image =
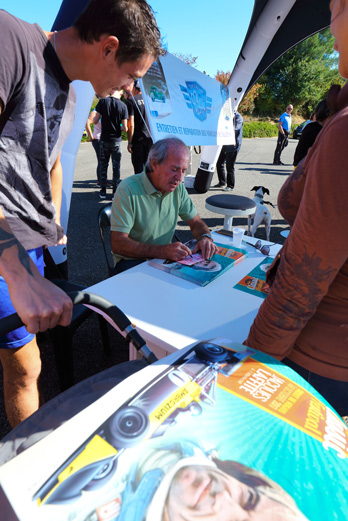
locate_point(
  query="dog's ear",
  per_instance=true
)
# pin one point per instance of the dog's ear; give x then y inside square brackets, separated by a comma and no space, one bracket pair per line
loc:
[255,188]
[265,191]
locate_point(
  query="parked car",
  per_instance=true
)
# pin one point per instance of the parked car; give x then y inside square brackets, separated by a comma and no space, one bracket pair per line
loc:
[299,129]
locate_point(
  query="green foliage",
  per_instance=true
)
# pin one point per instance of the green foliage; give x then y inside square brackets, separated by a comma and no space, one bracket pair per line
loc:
[259,129]
[95,103]
[302,76]
[247,105]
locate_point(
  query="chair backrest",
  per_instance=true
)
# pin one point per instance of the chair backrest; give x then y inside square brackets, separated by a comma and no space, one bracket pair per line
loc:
[104,217]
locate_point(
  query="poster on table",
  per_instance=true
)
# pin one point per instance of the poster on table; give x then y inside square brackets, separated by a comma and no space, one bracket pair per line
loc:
[216,427]
[183,102]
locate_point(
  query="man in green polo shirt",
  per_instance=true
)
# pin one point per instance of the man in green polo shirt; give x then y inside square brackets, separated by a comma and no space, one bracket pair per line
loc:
[146,208]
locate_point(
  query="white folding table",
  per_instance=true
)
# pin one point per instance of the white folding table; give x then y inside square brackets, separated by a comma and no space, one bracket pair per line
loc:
[171,313]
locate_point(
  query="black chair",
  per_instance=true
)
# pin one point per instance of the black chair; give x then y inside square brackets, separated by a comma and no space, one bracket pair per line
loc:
[62,337]
[104,218]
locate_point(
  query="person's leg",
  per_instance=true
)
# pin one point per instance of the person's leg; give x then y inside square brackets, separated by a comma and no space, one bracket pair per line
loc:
[21,370]
[282,145]
[104,155]
[20,358]
[220,167]
[138,157]
[276,159]
[116,164]
[230,162]
[96,146]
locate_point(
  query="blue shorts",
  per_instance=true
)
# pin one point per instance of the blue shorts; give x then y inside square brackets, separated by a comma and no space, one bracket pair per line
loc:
[20,337]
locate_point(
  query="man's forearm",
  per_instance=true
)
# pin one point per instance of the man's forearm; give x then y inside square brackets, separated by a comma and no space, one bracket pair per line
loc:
[89,131]
[13,256]
[130,131]
[198,229]
[124,246]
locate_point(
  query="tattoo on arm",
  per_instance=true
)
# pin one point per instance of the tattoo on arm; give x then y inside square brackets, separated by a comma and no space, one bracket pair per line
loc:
[7,240]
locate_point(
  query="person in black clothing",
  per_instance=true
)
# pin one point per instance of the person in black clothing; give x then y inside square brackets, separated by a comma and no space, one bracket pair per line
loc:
[228,156]
[113,113]
[139,137]
[321,114]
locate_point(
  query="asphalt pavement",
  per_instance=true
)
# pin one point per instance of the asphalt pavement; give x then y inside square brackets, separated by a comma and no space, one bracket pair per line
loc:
[86,261]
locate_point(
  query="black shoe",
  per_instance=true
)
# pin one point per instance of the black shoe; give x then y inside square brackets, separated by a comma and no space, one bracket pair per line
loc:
[108,184]
[102,193]
[280,163]
[219,185]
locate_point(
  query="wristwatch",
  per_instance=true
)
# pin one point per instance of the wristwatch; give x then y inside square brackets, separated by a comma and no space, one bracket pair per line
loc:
[207,235]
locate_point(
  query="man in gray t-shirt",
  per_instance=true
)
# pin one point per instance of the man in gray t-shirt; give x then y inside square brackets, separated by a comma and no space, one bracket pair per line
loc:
[36,113]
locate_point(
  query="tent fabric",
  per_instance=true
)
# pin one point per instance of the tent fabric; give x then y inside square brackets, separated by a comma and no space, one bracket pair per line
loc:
[306,18]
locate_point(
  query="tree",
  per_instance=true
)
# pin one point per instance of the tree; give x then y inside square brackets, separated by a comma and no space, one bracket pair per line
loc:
[248,103]
[302,76]
[223,77]
[187,58]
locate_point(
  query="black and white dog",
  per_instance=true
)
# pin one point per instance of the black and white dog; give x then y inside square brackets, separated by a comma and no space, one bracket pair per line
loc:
[262,214]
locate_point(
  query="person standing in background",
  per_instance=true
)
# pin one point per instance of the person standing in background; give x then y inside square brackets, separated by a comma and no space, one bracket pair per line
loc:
[139,137]
[113,113]
[321,114]
[284,129]
[94,137]
[228,156]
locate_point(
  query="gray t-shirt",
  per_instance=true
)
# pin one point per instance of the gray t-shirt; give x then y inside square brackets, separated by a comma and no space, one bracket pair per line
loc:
[38,112]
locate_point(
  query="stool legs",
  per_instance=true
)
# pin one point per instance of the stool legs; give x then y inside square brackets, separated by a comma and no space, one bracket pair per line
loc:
[228,222]
[249,224]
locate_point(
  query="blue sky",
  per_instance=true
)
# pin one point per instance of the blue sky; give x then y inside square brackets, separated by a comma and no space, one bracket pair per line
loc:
[212,31]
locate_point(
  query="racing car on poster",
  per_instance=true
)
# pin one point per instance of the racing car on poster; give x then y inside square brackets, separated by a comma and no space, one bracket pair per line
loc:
[182,389]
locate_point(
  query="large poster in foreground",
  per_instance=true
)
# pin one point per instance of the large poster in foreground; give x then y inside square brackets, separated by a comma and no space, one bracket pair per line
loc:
[182,102]
[223,432]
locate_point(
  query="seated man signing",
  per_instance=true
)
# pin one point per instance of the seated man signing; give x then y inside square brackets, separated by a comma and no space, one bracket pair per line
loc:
[146,207]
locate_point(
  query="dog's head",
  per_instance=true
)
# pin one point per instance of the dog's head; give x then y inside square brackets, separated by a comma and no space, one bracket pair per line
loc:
[261,190]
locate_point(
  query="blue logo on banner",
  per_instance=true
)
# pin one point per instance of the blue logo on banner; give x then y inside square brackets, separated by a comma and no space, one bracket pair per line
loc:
[196,99]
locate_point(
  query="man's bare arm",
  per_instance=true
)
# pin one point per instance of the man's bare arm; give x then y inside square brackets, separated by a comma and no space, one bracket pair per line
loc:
[130,133]
[121,244]
[92,118]
[56,188]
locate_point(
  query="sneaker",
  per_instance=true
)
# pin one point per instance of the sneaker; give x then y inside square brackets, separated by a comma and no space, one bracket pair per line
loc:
[108,184]
[102,193]
[97,184]
[219,185]
[228,189]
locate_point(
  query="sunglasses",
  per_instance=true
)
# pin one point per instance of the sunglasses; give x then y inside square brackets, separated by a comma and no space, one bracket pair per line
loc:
[265,249]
